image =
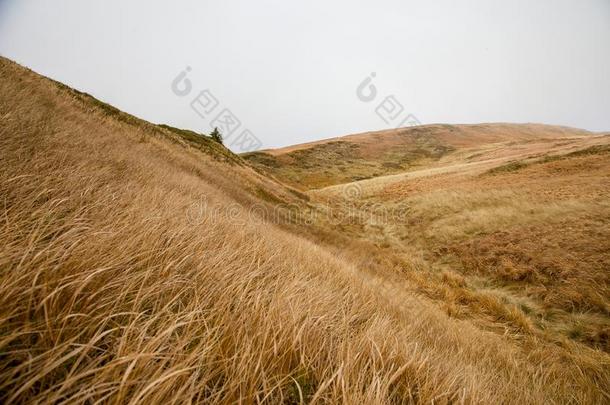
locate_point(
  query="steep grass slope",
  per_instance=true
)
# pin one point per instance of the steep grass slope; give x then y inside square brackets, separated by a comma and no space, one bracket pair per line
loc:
[135,267]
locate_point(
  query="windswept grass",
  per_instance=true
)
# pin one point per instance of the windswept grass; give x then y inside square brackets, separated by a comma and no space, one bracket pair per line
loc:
[132,273]
[524,251]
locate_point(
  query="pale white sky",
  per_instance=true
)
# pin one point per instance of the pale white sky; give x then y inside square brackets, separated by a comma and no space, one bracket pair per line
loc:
[289,70]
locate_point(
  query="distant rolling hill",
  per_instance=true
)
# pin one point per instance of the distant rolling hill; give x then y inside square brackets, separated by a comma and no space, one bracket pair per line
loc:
[373,154]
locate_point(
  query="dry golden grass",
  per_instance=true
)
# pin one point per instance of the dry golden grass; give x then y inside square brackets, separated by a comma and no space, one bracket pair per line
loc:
[116,287]
[528,240]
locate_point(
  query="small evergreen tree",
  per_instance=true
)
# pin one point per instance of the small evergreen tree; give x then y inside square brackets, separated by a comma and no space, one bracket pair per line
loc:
[216,135]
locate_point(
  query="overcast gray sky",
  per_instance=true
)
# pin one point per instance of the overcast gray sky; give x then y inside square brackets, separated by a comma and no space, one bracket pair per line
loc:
[289,70]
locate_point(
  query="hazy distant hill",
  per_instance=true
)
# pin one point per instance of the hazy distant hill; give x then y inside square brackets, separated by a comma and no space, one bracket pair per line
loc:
[373,154]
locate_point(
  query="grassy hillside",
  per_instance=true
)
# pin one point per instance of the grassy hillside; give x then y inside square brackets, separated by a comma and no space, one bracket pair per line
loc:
[521,246]
[141,264]
[373,154]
